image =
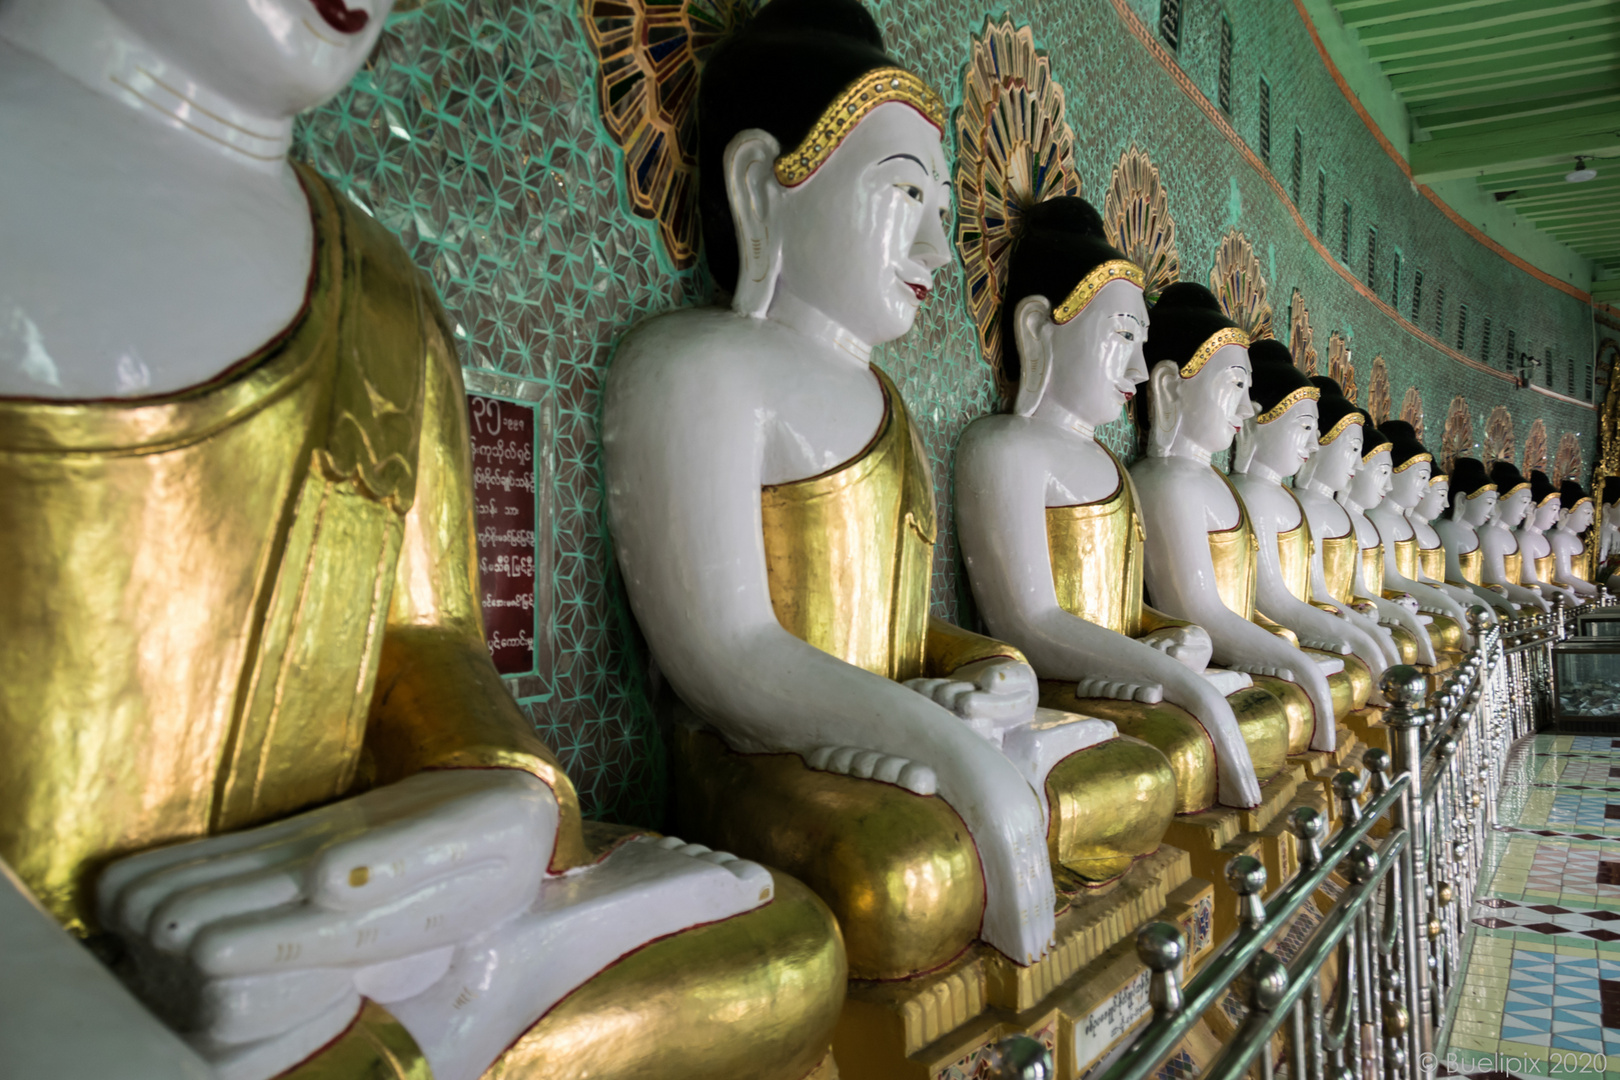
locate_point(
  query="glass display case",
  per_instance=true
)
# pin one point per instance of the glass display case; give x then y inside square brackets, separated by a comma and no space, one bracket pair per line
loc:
[1598,622]
[1586,685]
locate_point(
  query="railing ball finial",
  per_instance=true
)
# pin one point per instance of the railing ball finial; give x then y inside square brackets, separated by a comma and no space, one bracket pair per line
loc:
[1348,786]
[1019,1057]
[1405,686]
[1479,618]
[1377,761]
[1247,876]
[1311,828]
[1161,946]
[1361,864]
[1267,982]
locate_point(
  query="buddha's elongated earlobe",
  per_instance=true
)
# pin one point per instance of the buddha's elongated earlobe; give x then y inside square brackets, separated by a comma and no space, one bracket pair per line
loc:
[1032,326]
[1164,406]
[755,197]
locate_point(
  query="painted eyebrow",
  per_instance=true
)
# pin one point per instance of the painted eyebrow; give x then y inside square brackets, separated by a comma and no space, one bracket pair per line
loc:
[906,157]
[1128,315]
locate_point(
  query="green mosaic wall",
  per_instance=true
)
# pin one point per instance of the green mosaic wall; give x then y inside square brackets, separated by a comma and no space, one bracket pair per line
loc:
[474,134]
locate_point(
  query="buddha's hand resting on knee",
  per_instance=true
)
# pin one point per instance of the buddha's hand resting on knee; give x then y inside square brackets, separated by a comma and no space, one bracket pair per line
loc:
[989,694]
[250,935]
[1119,690]
[1010,834]
[871,765]
[1190,645]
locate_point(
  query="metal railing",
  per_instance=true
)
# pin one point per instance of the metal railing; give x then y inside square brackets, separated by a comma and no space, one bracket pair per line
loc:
[1367,993]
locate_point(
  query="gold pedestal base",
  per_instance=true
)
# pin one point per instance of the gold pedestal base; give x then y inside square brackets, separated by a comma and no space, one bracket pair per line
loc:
[1215,837]
[938,1026]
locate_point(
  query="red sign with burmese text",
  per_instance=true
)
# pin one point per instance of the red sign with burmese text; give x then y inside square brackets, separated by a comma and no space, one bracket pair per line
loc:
[503,496]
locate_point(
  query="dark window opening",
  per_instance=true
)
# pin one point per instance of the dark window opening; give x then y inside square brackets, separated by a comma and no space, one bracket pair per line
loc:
[1223,79]
[1462,326]
[1485,340]
[1395,282]
[1512,349]
[1417,294]
[1265,121]
[1344,235]
[1440,311]
[1298,176]
[1321,204]
[1372,258]
[1170,22]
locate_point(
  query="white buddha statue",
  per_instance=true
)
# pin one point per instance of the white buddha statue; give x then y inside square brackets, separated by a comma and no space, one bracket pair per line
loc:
[244,584]
[773,514]
[1537,563]
[1367,489]
[1047,521]
[1337,553]
[1272,448]
[1200,549]
[1503,562]
[1472,501]
[1443,617]
[1608,538]
[1431,503]
[1570,543]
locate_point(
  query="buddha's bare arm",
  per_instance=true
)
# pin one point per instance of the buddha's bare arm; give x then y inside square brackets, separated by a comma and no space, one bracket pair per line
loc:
[1001,522]
[684,456]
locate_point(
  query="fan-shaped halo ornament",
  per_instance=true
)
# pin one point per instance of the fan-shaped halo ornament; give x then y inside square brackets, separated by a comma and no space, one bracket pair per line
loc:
[1498,435]
[1238,285]
[1535,448]
[1136,217]
[1458,440]
[1340,367]
[649,54]
[1380,398]
[1412,410]
[1301,338]
[1013,150]
[1568,464]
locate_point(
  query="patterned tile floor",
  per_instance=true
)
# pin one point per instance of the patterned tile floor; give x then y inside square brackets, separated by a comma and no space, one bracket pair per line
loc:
[1541,985]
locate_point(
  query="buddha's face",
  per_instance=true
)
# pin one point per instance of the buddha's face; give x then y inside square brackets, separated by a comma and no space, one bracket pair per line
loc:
[1511,510]
[1434,501]
[1337,462]
[1096,357]
[1287,442]
[1207,411]
[276,57]
[1372,481]
[1580,518]
[1611,515]
[1479,507]
[1408,486]
[862,237]
[1547,514]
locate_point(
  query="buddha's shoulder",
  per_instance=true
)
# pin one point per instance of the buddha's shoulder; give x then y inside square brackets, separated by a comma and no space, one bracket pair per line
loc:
[709,346]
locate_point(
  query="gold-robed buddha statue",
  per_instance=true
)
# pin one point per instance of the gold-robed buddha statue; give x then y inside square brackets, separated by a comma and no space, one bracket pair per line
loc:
[241,595]
[1051,534]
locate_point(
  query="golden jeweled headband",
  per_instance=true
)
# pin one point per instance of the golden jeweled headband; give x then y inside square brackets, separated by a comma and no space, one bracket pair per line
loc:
[1304,393]
[1415,459]
[1366,455]
[1439,478]
[849,109]
[1544,498]
[1482,489]
[1583,498]
[1516,487]
[1338,429]
[1090,285]
[1219,340]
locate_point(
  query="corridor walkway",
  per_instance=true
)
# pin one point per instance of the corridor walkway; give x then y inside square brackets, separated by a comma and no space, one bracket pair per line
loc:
[1541,989]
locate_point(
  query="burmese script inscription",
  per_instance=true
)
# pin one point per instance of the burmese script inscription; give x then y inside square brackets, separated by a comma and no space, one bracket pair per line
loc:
[503,439]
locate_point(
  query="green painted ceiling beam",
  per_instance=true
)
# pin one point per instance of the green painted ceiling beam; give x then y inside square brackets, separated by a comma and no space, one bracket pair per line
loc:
[1526,38]
[1501,20]
[1482,153]
[1604,191]
[1597,45]
[1483,119]
[1358,13]
[1439,112]
[1542,177]
[1489,73]
[1606,292]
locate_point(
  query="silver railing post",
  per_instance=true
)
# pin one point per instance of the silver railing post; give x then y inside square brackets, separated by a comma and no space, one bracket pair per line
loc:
[1403,688]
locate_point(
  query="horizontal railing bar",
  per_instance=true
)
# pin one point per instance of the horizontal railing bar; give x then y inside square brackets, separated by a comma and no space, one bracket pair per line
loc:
[1237,952]
[1255,1035]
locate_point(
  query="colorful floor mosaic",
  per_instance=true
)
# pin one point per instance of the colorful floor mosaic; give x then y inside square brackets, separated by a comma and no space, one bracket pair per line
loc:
[1541,987]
